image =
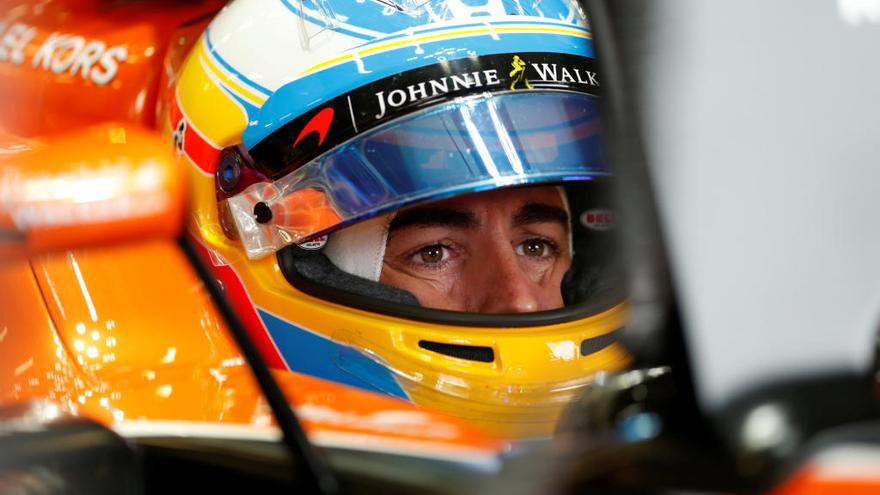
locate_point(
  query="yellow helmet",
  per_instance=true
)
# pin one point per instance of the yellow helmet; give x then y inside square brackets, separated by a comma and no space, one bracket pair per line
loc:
[304,121]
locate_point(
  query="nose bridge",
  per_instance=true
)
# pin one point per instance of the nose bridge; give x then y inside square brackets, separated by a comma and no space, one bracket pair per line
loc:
[510,290]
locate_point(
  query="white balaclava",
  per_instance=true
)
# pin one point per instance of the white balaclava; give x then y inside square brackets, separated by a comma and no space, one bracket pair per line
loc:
[360,249]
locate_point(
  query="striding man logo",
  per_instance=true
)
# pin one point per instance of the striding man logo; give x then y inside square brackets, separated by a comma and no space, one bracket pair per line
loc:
[518,74]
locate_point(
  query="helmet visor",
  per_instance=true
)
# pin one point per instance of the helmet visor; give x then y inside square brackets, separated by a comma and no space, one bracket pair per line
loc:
[463,146]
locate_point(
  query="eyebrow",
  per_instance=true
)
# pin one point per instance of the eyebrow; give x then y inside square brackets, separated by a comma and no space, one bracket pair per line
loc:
[433,217]
[540,213]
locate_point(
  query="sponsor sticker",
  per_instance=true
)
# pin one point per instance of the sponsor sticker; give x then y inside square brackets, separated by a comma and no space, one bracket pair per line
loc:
[598,219]
[90,59]
[314,244]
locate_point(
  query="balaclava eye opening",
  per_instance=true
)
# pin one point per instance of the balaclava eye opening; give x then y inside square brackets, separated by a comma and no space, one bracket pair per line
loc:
[360,249]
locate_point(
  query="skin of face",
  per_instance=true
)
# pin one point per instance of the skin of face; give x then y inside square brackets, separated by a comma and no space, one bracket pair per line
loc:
[502,251]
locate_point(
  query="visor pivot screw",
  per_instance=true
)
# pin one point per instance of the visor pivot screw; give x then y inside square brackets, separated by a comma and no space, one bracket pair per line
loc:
[228,171]
[262,212]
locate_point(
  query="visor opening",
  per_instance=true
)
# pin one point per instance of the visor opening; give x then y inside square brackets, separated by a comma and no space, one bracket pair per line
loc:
[596,344]
[467,352]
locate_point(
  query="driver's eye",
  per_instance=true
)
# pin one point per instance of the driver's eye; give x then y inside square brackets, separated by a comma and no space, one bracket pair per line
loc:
[534,248]
[432,254]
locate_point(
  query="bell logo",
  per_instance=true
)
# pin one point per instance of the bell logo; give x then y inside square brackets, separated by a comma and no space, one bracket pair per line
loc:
[314,244]
[598,219]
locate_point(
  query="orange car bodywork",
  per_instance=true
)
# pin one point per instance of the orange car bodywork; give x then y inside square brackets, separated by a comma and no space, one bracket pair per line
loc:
[52,196]
[125,333]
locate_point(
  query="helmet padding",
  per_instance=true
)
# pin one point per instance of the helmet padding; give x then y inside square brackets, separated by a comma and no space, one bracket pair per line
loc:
[360,249]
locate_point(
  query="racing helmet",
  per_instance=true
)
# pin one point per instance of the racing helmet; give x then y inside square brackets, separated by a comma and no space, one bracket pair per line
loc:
[305,121]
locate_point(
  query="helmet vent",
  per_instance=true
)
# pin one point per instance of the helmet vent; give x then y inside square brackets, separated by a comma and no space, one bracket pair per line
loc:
[596,344]
[468,352]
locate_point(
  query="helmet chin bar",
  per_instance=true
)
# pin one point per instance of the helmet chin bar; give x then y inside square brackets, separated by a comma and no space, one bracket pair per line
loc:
[444,362]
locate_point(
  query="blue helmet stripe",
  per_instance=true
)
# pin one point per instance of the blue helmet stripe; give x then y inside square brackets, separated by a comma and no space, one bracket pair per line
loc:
[368,19]
[495,23]
[311,354]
